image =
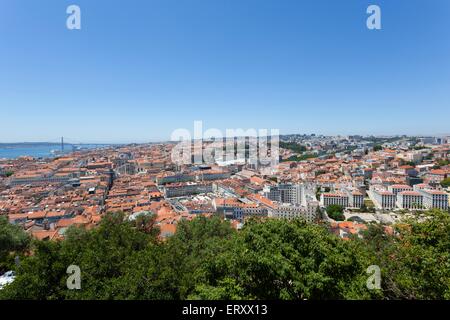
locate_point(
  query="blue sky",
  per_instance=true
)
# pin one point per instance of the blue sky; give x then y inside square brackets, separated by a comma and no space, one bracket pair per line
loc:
[139,69]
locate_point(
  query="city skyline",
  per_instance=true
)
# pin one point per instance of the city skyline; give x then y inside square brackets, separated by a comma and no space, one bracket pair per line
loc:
[138,72]
[223,152]
[57,140]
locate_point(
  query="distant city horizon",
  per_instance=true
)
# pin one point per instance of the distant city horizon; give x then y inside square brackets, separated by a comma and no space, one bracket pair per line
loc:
[155,140]
[224,151]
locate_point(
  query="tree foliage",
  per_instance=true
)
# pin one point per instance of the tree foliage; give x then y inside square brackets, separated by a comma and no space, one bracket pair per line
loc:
[335,212]
[207,259]
[445,183]
[377,147]
[298,148]
[13,240]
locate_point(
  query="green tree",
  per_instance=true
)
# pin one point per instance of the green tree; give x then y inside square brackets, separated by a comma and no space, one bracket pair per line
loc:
[8,174]
[293,146]
[417,262]
[267,259]
[335,212]
[103,255]
[278,259]
[13,241]
[377,147]
[445,183]
[195,244]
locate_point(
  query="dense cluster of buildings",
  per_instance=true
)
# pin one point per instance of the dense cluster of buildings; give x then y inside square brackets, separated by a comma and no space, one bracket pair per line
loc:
[46,196]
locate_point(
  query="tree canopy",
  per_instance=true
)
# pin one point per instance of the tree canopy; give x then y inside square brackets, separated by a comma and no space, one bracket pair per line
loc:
[445,183]
[207,259]
[13,240]
[336,212]
[377,147]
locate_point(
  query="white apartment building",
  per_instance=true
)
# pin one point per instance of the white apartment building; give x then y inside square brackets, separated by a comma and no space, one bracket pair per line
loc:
[286,193]
[288,211]
[239,210]
[413,156]
[254,211]
[383,199]
[327,199]
[186,189]
[212,175]
[397,188]
[175,178]
[356,200]
[355,197]
[410,200]
[421,186]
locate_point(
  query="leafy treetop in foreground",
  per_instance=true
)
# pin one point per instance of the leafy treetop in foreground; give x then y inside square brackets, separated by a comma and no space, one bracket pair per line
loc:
[207,259]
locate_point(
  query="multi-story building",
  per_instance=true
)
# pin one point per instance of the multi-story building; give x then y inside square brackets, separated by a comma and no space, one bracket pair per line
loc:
[355,197]
[40,179]
[383,199]
[288,211]
[233,213]
[409,200]
[327,199]
[212,175]
[286,193]
[434,199]
[291,194]
[397,188]
[254,211]
[150,166]
[175,178]
[421,186]
[273,193]
[186,189]
[236,209]
[434,177]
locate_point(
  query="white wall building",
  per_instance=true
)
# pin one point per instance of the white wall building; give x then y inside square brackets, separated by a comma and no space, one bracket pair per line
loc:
[327,199]
[288,211]
[383,199]
[287,193]
[409,200]
[434,199]
[397,188]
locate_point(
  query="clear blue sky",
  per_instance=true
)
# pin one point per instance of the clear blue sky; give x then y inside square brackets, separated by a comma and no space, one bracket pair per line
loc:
[140,69]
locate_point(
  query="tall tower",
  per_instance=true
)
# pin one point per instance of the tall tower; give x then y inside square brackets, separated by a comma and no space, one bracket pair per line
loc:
[62,144]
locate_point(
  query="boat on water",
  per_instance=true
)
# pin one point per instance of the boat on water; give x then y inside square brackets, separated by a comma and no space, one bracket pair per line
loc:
[56,152]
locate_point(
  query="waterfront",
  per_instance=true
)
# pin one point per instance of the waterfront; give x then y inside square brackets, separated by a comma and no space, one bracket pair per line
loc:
[38,150]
